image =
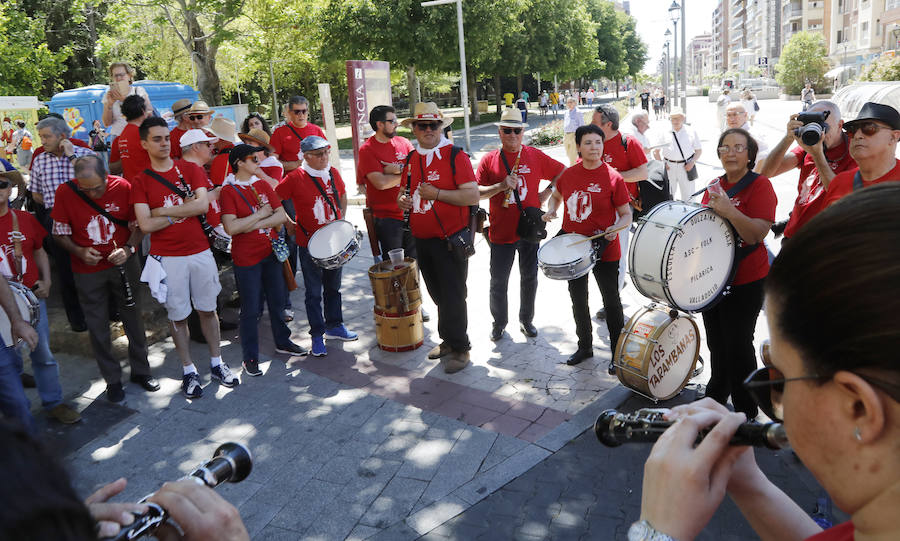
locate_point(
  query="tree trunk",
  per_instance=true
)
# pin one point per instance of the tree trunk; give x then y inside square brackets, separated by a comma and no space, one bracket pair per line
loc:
[518,85]
[499,93]
[412,83]
[617,89]
[473,96]
[203,57]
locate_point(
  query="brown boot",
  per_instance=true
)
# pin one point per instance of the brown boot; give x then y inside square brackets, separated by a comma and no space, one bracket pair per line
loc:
[439,351]
[456,362]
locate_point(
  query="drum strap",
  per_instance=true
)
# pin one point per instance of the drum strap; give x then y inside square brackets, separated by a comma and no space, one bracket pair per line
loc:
[17,238]
[249,204]
[746,180]
[322,191]
[857,181]
[509,171]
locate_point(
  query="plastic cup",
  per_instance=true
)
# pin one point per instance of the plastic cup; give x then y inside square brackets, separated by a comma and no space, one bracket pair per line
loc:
[396,256]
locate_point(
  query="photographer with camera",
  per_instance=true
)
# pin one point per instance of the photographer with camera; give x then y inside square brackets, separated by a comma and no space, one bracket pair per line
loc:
[822,152]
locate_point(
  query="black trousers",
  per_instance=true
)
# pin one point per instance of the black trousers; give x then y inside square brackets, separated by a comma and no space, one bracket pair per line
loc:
[445,276]
[730,326]
[392,233]
[502,256]
[60,256]
[607,275]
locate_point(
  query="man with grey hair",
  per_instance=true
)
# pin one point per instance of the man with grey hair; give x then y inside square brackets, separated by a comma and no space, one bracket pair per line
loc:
[736,116]
[50,169]
[286,139]
[818,164]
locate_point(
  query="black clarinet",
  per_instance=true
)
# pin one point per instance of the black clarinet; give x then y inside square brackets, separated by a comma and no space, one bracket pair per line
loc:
[646,425]
[126,287]
[406,213]
[231,463]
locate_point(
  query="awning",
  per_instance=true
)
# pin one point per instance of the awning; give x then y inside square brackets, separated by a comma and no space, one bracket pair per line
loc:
[836,72]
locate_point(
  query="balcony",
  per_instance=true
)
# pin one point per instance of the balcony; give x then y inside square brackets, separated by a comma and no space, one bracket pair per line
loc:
[815,4]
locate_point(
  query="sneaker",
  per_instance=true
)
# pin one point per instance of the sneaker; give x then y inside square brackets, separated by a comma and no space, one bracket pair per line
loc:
[287,315]
[318,347]
[340,333]
[601,313]
[190,385]
[224,375]
[148,383]
[27,380]
[292,349]
[251,367]
[64,414]
[115,393]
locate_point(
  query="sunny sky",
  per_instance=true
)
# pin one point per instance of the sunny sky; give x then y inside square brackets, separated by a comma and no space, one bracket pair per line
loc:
[653,19]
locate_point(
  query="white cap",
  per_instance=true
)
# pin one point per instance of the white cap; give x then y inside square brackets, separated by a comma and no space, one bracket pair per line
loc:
[195,136]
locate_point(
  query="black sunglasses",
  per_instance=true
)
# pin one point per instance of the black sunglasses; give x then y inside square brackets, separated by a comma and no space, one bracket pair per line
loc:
[299,111]
[766,387]
[428,126]
[868,128]
[196,117]
[508,131]
[4,184]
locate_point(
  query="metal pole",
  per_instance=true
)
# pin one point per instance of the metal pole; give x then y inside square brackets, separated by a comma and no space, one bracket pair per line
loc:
[462,67]
[683,60]
[274,94]
[674,68]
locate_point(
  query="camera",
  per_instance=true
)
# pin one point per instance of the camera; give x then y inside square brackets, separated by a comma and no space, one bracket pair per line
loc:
[813,128]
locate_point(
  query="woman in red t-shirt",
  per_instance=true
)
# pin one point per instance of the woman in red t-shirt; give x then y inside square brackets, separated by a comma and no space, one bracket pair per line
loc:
[834,380]
[252,214]
[731,322]
[596,199]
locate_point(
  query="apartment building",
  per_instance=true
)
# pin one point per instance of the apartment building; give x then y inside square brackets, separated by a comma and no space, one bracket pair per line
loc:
[699,53]
[720,41]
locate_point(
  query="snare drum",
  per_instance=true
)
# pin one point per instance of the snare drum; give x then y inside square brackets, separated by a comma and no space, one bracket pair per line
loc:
[566,257]
[683,255]
[656,354]
[29,310]
[334,244]
[221,239]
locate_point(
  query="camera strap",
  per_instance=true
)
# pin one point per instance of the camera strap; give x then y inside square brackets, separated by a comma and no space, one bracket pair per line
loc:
[857,181]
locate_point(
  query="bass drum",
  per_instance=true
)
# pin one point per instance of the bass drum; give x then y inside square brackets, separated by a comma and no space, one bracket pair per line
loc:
[29,310]
[682,255]
[399,332]
[656,352]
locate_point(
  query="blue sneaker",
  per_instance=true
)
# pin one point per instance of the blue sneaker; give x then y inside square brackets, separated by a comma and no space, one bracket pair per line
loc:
[340,333]
[318,347]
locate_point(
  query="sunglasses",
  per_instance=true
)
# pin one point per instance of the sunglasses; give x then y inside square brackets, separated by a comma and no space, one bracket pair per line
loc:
[4,184]
[425,126]
[868,128]
[254,158]
[391,121]
[300,111]
[725,149]
[196,117]
[766,387]
[508,131]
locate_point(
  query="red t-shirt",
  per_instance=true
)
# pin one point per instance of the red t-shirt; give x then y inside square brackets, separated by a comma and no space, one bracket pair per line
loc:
[842,184]
[89,227]
[34,236]
[184,236]
[175,139]
[127,148]
[373,155]
[220,167]
[533,167]
[757,200]
[591,197]
[272,167]
[840,532]
[620,159]
[439,174]
[810,192]
[248,249]
[312,210]
[287,145]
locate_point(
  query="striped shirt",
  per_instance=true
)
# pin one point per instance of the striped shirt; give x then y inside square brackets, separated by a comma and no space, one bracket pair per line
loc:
[49,171]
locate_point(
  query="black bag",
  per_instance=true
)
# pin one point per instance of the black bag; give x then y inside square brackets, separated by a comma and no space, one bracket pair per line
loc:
[531,227]
[655,189]
[460,243]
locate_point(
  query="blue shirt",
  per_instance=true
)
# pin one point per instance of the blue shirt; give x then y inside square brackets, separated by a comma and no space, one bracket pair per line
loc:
[574,118]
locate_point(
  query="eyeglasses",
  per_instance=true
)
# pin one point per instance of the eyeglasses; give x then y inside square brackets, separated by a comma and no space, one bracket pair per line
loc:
[300,111]
[4,184]
[868,128]
[391,121]
[725,149]
[254,158]
[508,131]
[735,113]
[424,126]
[766,387]
[196,117]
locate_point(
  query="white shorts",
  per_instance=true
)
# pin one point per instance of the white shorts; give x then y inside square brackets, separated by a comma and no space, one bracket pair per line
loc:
[191,279]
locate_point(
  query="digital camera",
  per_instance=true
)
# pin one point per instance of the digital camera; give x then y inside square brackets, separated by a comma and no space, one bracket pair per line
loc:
[814,127]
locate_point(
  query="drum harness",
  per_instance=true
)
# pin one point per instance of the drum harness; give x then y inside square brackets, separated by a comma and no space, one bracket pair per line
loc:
[17,237]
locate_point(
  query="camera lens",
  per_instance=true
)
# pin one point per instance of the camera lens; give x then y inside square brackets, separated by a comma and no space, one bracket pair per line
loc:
[810,134]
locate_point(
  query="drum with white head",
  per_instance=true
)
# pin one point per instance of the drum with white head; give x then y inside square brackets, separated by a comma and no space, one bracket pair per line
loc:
[28,307]
[566,257]
[334,244]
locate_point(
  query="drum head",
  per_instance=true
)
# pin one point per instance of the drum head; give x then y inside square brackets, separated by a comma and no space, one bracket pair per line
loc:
[700,261]
[331,239]
[560,250]
[672,362]
[28,307]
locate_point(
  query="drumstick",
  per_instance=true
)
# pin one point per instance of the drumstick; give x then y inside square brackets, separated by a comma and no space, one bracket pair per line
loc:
[598,235]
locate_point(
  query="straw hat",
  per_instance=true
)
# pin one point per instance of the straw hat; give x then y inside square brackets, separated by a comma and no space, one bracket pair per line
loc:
[426,112]
[512,118]
[676,111]
[199,107]
[257,137]
[222,128]
[13,175]
[180,107]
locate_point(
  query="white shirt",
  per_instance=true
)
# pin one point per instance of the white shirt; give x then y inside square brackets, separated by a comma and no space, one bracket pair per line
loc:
[763,146]
[119,122]
[688,140]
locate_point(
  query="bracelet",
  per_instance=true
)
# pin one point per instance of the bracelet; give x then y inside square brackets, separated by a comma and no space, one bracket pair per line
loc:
[438,196]
[170,220]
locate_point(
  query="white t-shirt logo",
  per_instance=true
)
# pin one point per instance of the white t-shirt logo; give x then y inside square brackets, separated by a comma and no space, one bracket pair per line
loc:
[421,206]
[579,207]
[100,230]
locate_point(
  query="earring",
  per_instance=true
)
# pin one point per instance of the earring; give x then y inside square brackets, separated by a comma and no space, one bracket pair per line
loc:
[857,433]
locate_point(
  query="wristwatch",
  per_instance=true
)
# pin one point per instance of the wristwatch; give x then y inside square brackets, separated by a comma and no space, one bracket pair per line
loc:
[644,531]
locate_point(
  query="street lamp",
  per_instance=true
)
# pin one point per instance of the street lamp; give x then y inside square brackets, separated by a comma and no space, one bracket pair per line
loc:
[463,84]
[668,36]
[674,16]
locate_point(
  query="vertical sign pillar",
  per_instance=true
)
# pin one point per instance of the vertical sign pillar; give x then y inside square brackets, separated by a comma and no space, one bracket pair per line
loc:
[368,85]
[327,109]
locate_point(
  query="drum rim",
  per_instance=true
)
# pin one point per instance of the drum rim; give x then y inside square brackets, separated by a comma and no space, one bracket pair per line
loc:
[553,239]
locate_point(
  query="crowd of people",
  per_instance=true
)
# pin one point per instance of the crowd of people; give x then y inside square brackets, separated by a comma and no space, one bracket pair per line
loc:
[167,205]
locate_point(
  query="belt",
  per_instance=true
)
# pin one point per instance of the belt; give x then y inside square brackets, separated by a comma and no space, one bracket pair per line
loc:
[675,161]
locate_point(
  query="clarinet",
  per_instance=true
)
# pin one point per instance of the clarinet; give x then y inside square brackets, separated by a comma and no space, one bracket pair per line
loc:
[231,463]
[126,287]
[646,425]
[406,213]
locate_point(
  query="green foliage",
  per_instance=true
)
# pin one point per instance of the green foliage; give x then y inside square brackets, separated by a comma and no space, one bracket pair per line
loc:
[803,59]
[27,65]
[549,134]
[885,68]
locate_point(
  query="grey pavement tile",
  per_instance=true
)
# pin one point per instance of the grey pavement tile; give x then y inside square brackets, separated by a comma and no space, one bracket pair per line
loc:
[503,448]
[279,487]
[306,505]
[461,464]
[331,526]
[487,482]
[396,447]
[394,503]
[339,470]
[439,512]
[239,493]
[362,532]
[371,476]
[533,528]
[397,532]
[256,515]
[273,533]
[422,461]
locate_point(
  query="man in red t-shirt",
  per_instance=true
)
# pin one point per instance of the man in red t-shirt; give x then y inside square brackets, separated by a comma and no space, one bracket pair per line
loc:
[521,168]
[128,157]
[441,193]
[625,154]
[179,251]
[319,197]
[873,144]
[818,164]
[595,200]
[180,111]
[101,246]
[286,139]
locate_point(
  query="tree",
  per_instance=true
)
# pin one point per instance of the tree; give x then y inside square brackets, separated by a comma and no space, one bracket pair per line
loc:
[27,64]
[635,48]
[803,59]
[885,68]
[610,59]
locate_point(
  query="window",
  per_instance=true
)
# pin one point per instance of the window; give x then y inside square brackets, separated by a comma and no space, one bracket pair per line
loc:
[840,35]
[891,4]
[864,30]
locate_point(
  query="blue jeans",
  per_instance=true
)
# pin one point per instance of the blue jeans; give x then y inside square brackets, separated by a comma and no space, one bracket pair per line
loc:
[13,402]
[251,282]
[319,283]
[46,371]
